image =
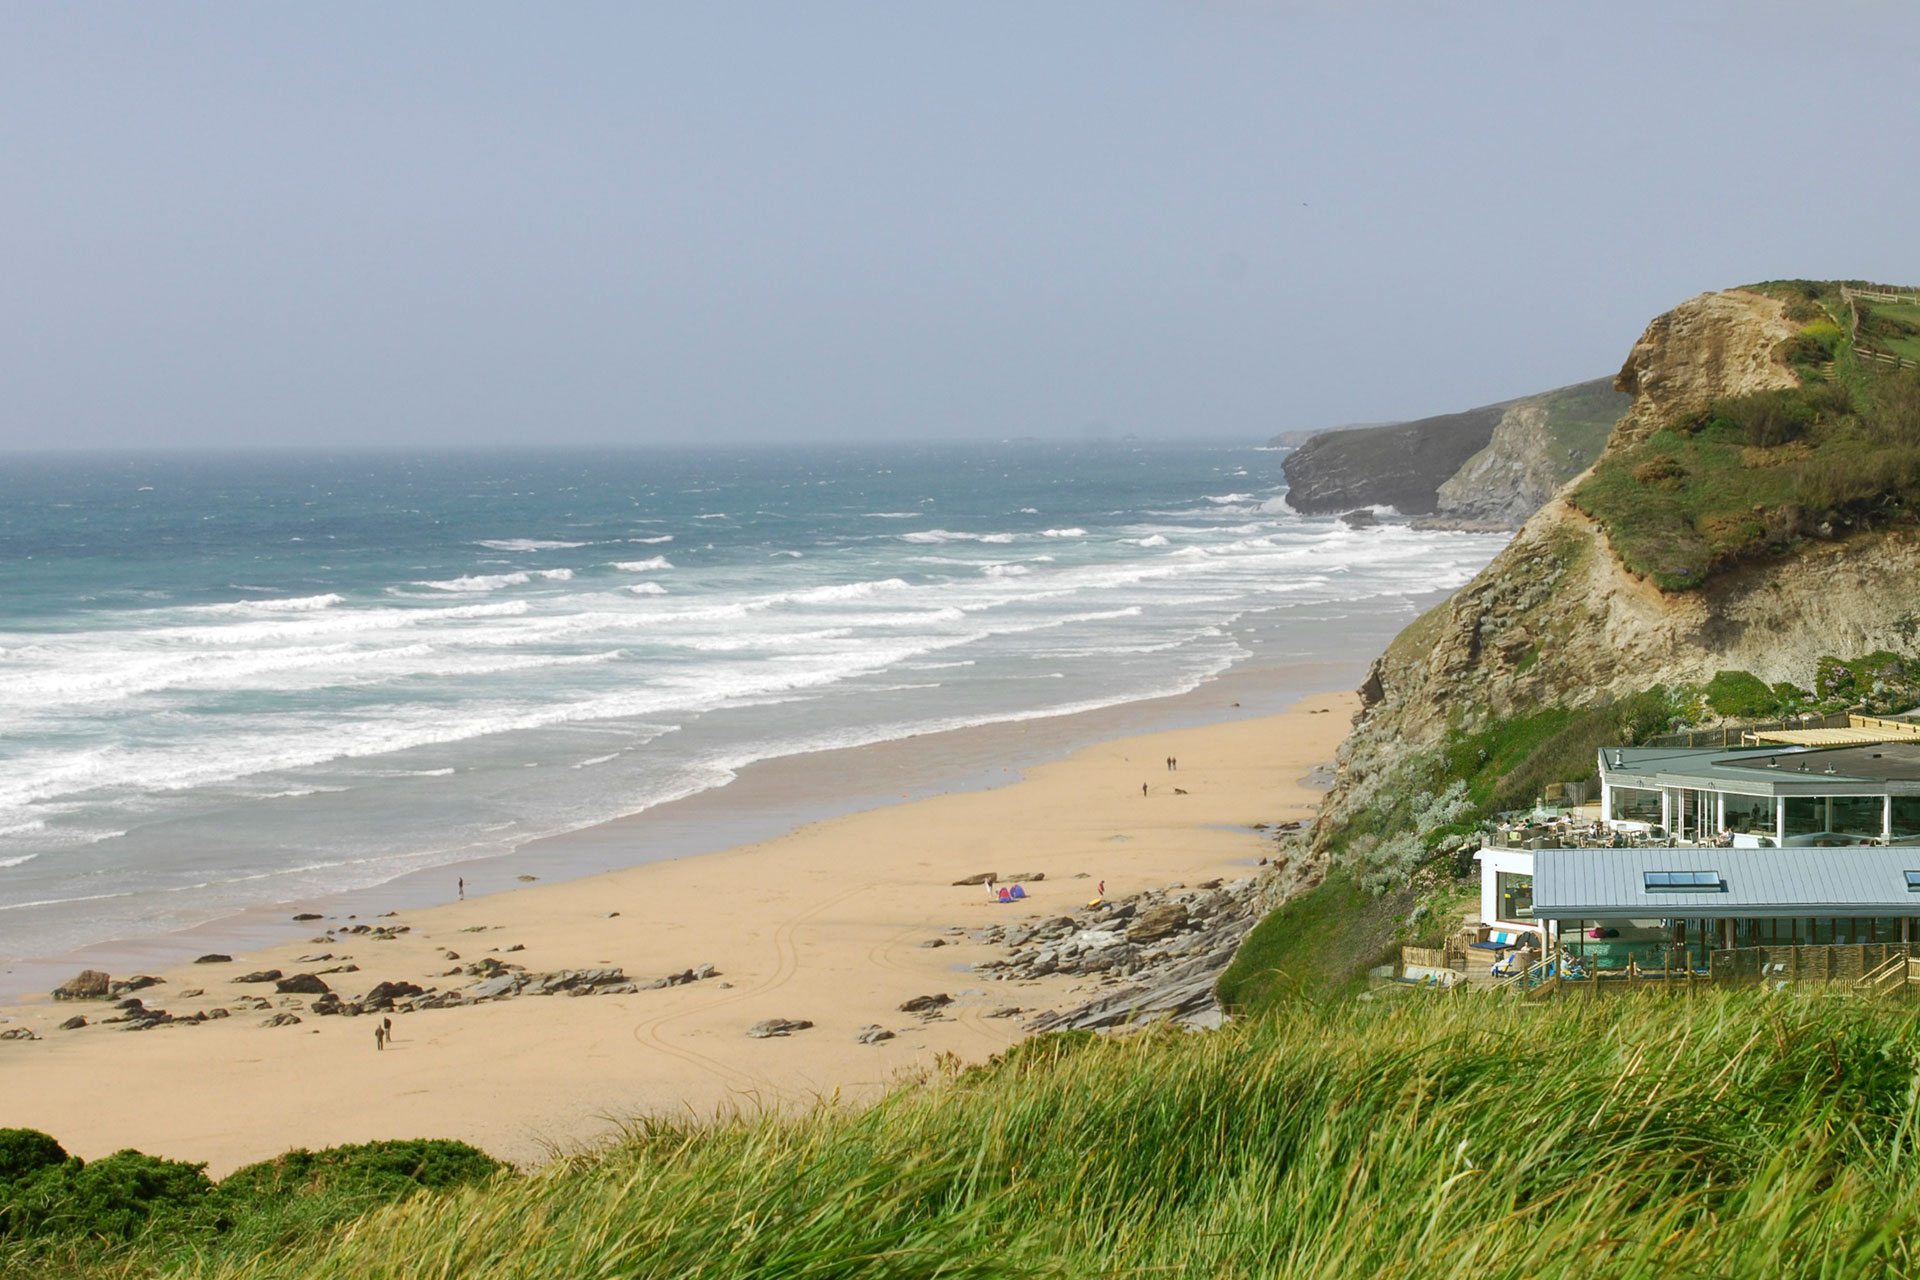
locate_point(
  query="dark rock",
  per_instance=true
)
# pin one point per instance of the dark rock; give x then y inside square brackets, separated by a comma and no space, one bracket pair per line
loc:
[192,993]
[216,1013]
[282,1020]
[777,1027]
[74,1023]
[981,878]
[18,1033]
[261,975]
[327,1004]
[131,1004]
[1158,922]
[302,984]
[214,957]
[139,982]
[308,915]
[934,942]
[926,1004]
[385,994]
[88,984]
[1007,1011]
[1032,877]
[873,1035]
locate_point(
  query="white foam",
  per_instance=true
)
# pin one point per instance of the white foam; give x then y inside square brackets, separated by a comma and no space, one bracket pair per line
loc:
[243,608]
[525,544]
[1005,570]
[1063,533]
[713,515]
[951,535]
[475,582]
[643,566]
[1151,540]
[655,541]
[14,862]
[1225,498]
[893,515]
[647,589]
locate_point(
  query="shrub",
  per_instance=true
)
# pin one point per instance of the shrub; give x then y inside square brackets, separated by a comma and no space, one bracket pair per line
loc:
[115,1198]
[27,1151]
[381,1170]
[1741,694]
[1662,469]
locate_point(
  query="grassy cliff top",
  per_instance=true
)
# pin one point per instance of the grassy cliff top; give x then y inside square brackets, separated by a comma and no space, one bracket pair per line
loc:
[1439,1137]
[1759,475]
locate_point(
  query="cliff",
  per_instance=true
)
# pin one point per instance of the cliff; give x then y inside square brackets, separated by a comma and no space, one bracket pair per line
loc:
[1489,467]
[1558,620]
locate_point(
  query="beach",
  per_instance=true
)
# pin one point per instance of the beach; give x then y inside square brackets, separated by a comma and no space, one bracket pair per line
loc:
[830,923]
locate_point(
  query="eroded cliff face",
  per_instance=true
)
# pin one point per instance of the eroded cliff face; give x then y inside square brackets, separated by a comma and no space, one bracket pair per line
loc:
[1555,619]
[1718,344]
[1538,444]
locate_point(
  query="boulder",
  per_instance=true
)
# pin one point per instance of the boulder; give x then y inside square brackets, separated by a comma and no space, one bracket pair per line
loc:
[873,1035]
[193,993]
[217,1013]
[308,915]
[777,1027]
[260,975]
[926,1004]
[302,984]
[214,957]
[980,878]
[495,988]
[18,1033]
[88,984]
[384,994]
[139,982]
[329,1003]
[282,1020]
[74,1023]
[1030,876]
[1158,922]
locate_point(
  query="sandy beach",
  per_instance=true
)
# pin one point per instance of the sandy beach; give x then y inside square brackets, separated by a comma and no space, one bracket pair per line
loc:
[827,923]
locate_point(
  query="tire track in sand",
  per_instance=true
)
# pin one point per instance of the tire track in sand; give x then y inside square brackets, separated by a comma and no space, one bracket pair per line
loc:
[651,1031]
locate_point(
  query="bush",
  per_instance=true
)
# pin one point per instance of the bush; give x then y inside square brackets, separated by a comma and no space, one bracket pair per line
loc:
[379,1170]
[115,1198]
[1741,694]
[27,1151]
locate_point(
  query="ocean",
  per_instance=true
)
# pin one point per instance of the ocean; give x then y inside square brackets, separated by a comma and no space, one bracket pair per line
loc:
[227,681]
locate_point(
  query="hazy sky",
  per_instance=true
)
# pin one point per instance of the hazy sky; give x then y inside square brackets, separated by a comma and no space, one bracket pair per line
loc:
[424,224]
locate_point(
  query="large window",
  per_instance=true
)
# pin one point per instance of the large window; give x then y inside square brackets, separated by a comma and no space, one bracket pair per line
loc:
[1635,804]
[1857,815]
[1516,895]
[1906,815]
[1753,814]
[1806,815]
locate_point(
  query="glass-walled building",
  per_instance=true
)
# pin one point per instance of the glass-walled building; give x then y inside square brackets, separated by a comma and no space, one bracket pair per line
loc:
[1765,797]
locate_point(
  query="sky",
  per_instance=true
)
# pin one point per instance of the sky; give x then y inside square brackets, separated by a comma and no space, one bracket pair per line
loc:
[434,224]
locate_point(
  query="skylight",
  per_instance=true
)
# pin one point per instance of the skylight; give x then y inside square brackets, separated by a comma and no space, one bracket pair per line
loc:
[1697,881]
[1913,882]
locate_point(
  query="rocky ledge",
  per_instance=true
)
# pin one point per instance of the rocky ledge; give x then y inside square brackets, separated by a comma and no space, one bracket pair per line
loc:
[1159,952]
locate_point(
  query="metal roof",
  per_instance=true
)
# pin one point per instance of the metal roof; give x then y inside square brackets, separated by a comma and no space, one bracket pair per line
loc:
[1610,884]
[1864,770]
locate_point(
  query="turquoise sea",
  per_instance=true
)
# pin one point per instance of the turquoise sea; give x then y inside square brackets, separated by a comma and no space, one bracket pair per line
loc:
[235,680]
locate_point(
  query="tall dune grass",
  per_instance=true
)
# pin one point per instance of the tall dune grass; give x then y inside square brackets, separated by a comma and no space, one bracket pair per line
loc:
[1444,1137]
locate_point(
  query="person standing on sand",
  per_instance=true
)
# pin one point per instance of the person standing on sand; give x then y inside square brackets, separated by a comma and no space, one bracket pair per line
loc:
[1143,789]
[1173,763]
[386,1025]
[463,888]
[380,1038]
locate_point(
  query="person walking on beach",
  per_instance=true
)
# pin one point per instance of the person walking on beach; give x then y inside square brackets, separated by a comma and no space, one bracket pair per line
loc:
[463,888]
[386,1025]
[380,1038]
[1143,789]
[1173,763]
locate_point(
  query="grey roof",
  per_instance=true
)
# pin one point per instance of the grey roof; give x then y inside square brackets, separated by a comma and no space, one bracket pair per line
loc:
[1609,884]
[1870,770]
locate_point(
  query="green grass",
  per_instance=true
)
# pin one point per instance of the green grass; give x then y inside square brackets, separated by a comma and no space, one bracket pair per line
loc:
[1316,943]
[1892,327]
[1444,1137]
[1579,420]
[1757,476]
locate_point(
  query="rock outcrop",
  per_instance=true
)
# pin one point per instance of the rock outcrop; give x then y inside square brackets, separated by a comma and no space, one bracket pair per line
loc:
[1486,468]
[1556,619]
